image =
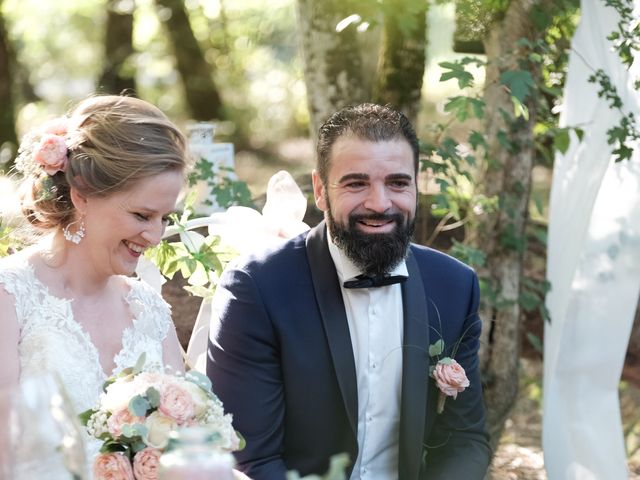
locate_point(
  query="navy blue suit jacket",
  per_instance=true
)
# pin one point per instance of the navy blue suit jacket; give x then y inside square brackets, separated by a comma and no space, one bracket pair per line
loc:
[280,359]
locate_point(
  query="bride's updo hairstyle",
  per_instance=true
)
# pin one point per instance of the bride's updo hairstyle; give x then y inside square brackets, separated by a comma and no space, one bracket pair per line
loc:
[106,145]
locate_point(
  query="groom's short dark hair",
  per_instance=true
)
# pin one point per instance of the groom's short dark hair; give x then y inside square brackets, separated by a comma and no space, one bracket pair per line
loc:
[367,121]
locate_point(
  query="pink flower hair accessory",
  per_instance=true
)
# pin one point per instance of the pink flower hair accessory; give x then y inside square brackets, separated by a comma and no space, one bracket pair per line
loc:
[45,149]
[51,154]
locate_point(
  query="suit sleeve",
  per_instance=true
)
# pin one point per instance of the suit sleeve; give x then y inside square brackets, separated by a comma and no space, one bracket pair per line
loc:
[244,367]
[458,445]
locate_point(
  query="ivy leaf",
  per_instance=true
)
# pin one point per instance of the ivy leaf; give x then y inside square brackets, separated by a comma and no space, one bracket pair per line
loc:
[535,342]
[538,202]
[529,301]
[561,140]
[476,139]
[465,107]
[468,254]
[458,72]
[519,83]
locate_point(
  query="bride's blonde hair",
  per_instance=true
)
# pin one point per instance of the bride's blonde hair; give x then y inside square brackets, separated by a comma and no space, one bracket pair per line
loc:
[112,143]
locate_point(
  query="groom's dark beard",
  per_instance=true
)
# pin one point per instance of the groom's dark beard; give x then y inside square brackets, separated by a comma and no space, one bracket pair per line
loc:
[373,253]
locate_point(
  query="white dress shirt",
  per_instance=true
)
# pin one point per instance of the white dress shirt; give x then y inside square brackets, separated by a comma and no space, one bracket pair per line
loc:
[375,317]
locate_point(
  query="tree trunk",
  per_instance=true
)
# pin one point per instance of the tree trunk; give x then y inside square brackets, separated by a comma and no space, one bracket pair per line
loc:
[118,74]
[332,59]
[402,59]
[8,138]
[501,234]
[201,92]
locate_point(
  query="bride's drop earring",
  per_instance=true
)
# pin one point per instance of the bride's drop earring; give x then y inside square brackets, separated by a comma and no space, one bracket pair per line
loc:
[79,233]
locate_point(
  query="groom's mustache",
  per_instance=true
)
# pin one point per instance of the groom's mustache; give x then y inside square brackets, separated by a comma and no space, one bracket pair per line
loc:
[375,217]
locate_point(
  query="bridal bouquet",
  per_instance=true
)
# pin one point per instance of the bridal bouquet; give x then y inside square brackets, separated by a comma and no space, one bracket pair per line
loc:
[137,412]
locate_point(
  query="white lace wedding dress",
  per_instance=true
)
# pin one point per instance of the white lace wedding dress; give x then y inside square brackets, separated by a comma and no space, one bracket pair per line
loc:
[52,340]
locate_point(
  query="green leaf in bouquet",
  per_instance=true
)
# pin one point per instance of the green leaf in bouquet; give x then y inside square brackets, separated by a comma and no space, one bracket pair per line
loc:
[138,406]
[138,446]
[85,416]
[134,430]
[153,396]
[242,442]
[111,445]
[129,371]
[199,379]
[140,363]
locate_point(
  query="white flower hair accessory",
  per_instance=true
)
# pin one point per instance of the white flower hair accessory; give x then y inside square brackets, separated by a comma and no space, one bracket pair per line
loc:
[44,149]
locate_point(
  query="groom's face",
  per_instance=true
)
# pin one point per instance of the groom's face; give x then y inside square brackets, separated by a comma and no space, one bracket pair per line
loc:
[369,199]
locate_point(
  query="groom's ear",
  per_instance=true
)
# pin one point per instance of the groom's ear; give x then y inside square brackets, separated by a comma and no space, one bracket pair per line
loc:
[319,192]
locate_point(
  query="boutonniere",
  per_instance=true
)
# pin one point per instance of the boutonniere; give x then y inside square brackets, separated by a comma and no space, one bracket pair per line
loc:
[449,375]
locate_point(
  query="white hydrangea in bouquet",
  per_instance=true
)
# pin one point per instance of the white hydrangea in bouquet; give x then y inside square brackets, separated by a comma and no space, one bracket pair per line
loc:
[137,412]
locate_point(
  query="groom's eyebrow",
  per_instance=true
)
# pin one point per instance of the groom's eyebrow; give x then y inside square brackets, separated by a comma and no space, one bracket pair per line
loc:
[352,176]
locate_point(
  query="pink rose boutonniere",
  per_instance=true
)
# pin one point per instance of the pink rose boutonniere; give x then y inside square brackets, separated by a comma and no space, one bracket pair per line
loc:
[449,375]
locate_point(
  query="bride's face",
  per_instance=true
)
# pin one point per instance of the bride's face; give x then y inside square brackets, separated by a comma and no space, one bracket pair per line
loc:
[121,226]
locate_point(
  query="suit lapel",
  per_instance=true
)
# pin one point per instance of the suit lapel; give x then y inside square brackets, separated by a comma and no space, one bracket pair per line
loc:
[415,371]
[334,318]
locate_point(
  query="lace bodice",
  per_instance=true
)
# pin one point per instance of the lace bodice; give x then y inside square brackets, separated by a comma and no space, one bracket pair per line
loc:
[52,340]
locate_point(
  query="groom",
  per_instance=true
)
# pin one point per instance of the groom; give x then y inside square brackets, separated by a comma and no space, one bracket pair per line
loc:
[321,346]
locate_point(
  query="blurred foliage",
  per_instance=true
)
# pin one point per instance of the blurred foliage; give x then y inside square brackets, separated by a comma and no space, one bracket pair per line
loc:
[200,259]
[255,58]
[453,159]
[8,243]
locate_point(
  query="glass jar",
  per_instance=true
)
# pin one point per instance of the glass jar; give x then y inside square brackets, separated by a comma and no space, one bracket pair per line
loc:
[192,454]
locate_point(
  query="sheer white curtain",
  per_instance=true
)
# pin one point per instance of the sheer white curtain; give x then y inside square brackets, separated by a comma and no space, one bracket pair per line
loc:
[593,265]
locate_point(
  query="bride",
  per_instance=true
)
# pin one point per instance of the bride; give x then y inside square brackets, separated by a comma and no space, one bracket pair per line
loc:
[100,184]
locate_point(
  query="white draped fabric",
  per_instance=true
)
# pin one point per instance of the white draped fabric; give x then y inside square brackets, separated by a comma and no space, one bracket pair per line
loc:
[593,265]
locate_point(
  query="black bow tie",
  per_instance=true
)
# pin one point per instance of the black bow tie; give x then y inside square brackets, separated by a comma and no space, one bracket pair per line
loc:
[369,281]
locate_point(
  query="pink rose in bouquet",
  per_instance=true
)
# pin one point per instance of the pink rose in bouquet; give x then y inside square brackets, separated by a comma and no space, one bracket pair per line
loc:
[137,412]
[112,466]
[176,403]
[145,464]
[120,418]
